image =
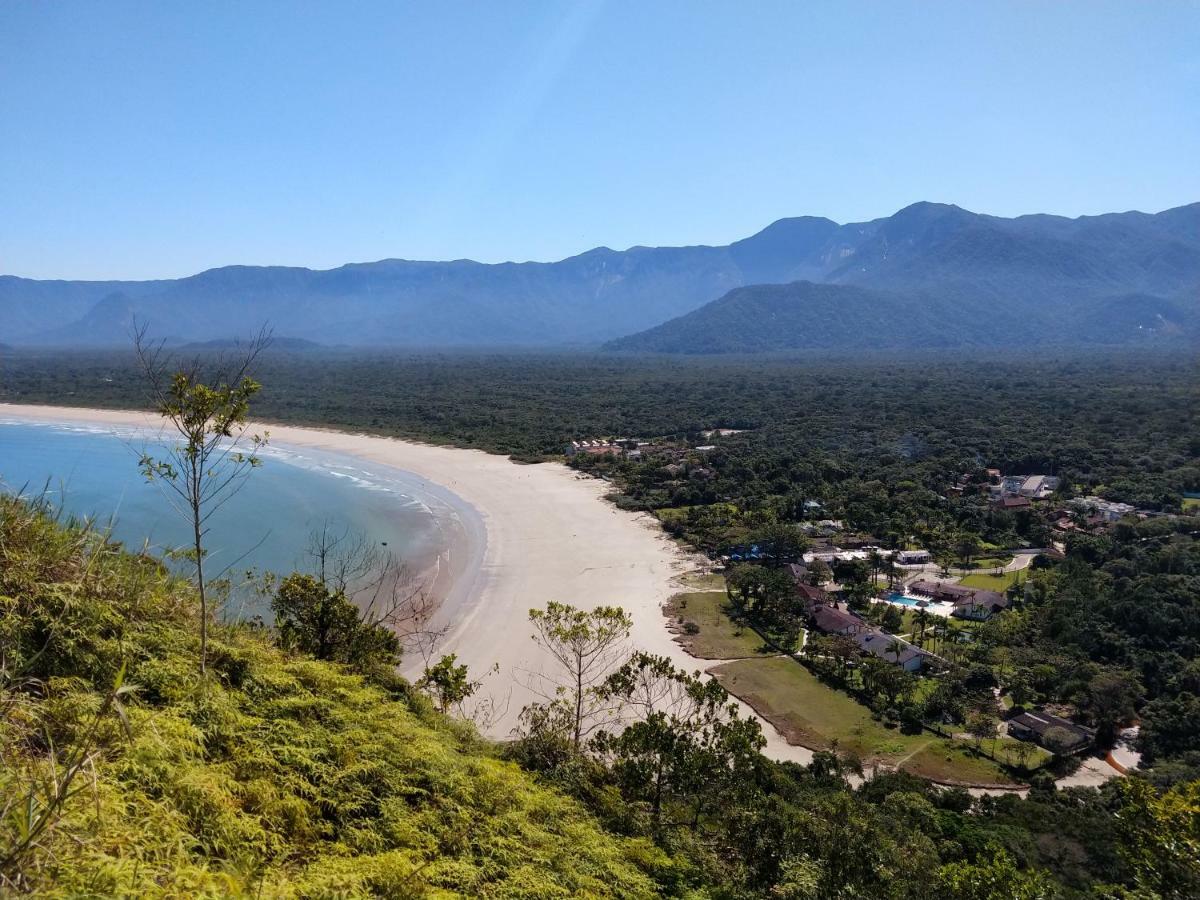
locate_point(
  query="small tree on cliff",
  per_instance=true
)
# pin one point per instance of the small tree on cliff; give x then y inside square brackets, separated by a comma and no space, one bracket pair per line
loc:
[587,647]
[207,405]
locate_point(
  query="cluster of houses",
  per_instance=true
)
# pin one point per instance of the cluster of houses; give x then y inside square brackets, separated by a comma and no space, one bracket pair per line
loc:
[1092,514]
[616,447]
[976,604]
[631,448]
[825,616]
[1012,492]
[1008,491]
[830,554]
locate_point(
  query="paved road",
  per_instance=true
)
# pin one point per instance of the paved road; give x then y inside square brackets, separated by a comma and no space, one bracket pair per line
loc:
[1021,560]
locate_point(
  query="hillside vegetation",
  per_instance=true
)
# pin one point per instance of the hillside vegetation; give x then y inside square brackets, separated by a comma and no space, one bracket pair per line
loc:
[278,777]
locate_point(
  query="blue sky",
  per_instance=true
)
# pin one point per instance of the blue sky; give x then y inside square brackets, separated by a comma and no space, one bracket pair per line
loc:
[158,139]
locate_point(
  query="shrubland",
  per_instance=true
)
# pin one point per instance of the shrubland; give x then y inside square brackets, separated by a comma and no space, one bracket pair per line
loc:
[127,773]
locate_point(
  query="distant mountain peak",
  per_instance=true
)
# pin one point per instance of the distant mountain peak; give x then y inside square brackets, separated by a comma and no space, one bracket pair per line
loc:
[1050,273]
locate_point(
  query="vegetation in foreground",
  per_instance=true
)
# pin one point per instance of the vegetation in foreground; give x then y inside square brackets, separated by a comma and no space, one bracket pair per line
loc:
[276,776]
[126,772]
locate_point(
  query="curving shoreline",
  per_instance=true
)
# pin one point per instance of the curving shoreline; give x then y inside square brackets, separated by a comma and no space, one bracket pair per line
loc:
[521,535]
[530,534]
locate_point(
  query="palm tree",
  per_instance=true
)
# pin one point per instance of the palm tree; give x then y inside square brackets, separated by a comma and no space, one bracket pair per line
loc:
[940,630]
[895,647]
[875,561]
[921,620]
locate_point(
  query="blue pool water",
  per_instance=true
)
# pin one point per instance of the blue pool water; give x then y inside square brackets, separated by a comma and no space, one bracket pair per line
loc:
[904,599]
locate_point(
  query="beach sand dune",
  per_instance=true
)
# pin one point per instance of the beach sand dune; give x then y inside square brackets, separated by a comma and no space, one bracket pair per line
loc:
[537,533]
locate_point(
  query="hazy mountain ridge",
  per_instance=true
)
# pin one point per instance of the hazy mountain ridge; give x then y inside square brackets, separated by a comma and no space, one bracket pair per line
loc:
[940,259]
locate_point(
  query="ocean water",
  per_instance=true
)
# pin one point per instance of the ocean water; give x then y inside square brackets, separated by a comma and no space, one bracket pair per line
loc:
[92,472]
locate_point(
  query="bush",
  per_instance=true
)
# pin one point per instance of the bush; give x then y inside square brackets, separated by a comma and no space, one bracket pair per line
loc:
[276,776]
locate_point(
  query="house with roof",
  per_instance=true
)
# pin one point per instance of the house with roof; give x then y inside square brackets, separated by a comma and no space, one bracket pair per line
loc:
[798,571]
[1031,487]
[892,649]
[831,620]
[980,606]
[1034,725]
[812,597]
[1102,510]
[1012,502]
[977,604]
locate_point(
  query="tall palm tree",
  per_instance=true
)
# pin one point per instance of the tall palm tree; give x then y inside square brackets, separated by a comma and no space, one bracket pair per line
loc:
[921,620]
[940,630]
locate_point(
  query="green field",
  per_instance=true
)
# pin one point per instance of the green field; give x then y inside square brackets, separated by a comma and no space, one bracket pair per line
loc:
[719,636]
[1191,504]
[990,562]
[1000,582]
[814,715]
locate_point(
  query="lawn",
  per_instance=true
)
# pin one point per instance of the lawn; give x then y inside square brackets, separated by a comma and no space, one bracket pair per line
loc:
[990,562]
[943,760]
[719,636]
[1191,505]
[1007,750]
[1000,582]
[814,715]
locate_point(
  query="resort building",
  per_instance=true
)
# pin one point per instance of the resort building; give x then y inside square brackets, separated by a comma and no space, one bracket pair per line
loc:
[811,597]
[977,604]
[1031,487]
[1011,502]
[1034,725]
[981,606]
[832,620]
[1104,510]
[892,649]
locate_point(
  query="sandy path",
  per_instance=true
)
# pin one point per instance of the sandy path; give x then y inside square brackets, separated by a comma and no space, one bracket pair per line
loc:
[545,535]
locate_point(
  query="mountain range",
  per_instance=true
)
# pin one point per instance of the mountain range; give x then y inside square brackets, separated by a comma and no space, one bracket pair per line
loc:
[929,275]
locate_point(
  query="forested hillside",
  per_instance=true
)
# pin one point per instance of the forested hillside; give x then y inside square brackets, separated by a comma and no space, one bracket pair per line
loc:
[947,277]
[807,316]
[124,773]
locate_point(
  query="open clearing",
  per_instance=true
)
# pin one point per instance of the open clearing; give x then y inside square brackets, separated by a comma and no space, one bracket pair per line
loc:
[1000,582]
[810,713]
[719,637]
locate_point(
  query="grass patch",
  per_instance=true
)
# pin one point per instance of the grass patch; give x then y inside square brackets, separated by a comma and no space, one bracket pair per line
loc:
[717,635]
[815,715]
[990,562]
[1001,582]
[703,581]
[1007,750]
[944,760]
[1191,504]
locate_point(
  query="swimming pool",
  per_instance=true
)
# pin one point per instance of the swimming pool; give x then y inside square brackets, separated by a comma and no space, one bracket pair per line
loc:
[930,606]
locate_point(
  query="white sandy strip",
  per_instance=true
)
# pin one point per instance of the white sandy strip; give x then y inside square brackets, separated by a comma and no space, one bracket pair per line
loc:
[548,535]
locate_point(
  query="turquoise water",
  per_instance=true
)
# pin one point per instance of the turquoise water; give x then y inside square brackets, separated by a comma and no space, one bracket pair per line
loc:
[92,472]
[904,599]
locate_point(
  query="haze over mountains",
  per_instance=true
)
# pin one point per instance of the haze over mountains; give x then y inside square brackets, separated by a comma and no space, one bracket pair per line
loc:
[930,275]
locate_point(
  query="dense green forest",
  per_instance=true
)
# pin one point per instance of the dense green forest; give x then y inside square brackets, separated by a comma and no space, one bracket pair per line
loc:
[1100,414]
[125,772]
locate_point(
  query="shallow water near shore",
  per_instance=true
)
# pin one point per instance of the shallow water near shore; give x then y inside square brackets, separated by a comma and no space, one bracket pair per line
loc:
[91,471]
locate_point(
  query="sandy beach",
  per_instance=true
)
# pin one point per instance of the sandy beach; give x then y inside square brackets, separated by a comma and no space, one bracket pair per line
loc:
[546,534]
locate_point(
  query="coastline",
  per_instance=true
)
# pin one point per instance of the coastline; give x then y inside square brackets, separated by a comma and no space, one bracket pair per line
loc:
[532,534]
[521,536]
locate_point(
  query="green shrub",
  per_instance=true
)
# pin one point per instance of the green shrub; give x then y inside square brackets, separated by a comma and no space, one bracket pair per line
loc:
[276,776]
